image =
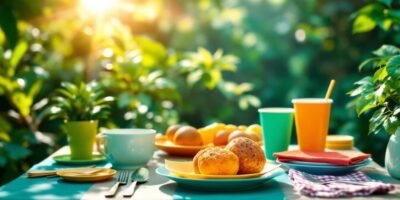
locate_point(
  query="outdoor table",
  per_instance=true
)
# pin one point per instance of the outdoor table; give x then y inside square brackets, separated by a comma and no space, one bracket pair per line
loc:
[158,187]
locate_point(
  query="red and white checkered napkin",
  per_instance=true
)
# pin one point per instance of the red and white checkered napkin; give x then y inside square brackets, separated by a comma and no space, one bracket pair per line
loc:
[307,187]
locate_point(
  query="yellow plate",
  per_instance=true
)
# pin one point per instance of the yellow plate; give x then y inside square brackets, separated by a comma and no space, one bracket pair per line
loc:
[339,139]
[178,150]
[340,147]
[73,175]
[185,169]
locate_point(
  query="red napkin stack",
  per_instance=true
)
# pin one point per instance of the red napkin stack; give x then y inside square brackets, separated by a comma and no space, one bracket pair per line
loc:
[345,158]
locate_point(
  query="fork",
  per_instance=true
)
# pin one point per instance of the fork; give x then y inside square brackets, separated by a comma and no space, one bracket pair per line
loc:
[122,179]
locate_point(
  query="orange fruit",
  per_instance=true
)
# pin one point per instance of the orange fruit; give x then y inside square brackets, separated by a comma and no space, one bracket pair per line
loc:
[159,137]
[208,133]
[230,128]
[237,133]
[254,136]
[188,136]
[217,127]
[242,128]
[255,129]
[171,131]
[221,138]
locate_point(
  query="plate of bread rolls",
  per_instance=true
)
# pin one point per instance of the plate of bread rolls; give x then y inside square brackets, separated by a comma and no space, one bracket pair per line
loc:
[184,140]
[241,164]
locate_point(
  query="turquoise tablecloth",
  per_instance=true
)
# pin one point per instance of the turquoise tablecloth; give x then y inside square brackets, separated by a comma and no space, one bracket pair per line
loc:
[157,188]
[44,188]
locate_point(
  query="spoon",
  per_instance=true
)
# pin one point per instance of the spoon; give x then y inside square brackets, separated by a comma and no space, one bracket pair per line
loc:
[141,176]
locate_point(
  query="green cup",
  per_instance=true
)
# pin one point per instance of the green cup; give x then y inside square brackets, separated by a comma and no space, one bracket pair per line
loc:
[277,126]
[81,138]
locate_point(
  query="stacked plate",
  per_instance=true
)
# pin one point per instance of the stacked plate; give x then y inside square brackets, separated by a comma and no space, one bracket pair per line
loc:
[319,168]
[183,173]
[339,142]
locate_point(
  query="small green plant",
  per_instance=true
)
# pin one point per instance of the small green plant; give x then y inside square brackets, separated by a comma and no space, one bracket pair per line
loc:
[381,91]
[80,102]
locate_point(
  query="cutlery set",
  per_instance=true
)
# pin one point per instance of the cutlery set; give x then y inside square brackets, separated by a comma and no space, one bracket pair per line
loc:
[124,177]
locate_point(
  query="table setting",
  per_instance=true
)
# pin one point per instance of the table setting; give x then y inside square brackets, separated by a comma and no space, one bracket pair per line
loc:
[219,160]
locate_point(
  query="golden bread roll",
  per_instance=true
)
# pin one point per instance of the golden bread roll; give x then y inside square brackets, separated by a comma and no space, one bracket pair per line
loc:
[171,132]
[188,136]
[196,161]
[221,138]
[216,161]
[251,156]
[237,133]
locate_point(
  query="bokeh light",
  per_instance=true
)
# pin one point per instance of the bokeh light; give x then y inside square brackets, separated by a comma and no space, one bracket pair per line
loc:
[98,6]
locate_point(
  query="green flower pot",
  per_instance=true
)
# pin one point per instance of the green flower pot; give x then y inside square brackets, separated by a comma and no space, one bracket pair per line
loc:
[81,137]
[392,157]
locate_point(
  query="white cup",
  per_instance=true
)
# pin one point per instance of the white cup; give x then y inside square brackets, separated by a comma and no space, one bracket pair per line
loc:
[127,148]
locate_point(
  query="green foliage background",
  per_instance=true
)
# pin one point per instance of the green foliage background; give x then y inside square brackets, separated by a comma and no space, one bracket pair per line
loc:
[184,61]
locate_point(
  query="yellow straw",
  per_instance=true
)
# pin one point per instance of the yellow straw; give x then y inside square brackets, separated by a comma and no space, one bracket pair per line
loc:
[331,85]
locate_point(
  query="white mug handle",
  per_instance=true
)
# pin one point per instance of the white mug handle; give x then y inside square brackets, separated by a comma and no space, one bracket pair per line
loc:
[101,137]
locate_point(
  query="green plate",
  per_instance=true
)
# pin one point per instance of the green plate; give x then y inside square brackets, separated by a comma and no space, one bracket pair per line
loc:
[66,160]
[219,184]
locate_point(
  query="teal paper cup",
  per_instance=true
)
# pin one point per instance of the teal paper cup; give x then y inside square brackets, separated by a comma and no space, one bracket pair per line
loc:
[277,126]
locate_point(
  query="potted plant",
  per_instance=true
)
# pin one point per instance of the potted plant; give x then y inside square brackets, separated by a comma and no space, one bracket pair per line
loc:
[80,106]
[380,93]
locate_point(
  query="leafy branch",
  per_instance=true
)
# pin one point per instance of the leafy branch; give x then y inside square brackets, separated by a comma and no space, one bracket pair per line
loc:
[380,93]
[80,102]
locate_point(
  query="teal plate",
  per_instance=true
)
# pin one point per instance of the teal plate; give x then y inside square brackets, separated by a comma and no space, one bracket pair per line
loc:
[326,169]
[368,160]
[66,160]
[219,184]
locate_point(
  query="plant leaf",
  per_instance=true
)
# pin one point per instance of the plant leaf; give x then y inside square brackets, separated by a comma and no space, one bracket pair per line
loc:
[386,2]
[365,103]
[35,89]
[17,55]
[369,63]
[16,151]
[206,58]
[387,50]
[393,67]
[391,124]
[363,24]
[212,78]
[194,77]
[380,74]
[8,23]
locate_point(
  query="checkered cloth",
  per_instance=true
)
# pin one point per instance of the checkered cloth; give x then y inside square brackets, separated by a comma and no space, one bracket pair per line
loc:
[308,187]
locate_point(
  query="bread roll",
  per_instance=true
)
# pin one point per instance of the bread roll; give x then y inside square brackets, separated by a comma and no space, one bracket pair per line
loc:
[251,157]
[216,161]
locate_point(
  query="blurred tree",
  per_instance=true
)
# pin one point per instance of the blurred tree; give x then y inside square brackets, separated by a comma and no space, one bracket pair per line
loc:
[151,83]
[147,55]
[377,95]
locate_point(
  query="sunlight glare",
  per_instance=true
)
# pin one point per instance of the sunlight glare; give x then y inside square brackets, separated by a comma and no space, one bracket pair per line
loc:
[98,6]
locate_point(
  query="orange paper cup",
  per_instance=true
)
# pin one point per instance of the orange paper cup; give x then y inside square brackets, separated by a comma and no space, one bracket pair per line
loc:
[312,122]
